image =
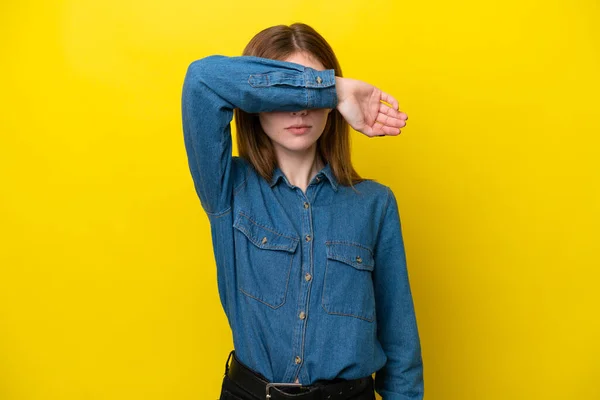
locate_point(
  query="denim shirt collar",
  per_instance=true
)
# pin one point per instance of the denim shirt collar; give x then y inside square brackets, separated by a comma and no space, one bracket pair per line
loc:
[325,171]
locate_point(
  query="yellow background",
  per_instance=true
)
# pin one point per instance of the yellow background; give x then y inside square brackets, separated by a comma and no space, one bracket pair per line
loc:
[107,279]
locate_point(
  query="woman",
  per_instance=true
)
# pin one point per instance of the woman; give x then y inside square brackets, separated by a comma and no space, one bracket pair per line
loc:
[310,258]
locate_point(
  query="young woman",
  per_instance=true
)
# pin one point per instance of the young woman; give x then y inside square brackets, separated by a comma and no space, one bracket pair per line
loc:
[310,258]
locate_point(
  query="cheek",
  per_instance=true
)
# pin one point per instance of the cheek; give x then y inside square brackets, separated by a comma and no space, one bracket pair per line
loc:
[322,118]
[271,122]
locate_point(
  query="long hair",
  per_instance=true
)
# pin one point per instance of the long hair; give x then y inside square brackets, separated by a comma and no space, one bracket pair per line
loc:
[333,146]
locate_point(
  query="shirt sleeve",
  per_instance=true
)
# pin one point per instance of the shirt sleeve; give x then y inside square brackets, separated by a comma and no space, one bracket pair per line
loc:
[401,378]
[217,84]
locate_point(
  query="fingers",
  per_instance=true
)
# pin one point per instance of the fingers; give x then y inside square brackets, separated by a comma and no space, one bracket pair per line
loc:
[387,110]
[383,130]
[386,120]
[394,110]
[389,130]
[390,117]
[390,99]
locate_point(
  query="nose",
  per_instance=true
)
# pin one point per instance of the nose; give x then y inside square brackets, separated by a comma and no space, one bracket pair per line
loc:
[301,112]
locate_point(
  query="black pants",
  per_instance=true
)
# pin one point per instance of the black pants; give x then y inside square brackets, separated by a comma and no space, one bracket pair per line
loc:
[231,391]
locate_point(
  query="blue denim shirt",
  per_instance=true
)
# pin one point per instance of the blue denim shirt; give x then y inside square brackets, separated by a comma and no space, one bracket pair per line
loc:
[314,284]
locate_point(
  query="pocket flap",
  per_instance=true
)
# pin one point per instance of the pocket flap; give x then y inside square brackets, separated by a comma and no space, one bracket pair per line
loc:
[263,236]
[360,257]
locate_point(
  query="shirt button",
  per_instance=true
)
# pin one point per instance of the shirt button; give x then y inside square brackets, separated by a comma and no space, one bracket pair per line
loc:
[306,205]
[307,277]
[358,259]
[319,80]
[302,315]
[264,240]
[308,238]
[318,179]
[297,360]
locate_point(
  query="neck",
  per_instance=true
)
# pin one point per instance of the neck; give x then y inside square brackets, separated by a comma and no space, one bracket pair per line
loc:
[300,168]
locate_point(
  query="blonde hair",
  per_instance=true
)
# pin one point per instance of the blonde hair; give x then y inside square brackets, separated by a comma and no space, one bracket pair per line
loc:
[278,43]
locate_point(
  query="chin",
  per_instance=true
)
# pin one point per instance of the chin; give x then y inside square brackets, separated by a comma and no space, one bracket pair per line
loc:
[300,144]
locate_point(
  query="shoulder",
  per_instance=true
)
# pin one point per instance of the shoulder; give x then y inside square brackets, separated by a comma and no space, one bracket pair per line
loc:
[375,190]
[381,196]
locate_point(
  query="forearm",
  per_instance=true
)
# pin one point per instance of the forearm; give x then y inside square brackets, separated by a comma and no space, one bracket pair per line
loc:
[255,84]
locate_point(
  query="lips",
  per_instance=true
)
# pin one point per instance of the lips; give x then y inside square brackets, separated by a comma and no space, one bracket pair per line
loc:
[298,129]
[298,126]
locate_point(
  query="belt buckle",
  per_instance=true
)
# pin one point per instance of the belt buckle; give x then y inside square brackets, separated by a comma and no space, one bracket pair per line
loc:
[270,385]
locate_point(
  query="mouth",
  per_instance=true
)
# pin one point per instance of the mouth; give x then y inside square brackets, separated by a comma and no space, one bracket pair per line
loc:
[298,129]
[298,126]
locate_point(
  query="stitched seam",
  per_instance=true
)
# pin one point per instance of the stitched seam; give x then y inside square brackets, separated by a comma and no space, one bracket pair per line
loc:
[387,202]
[258,84]
[260,245]
[334,312]
[368,265]
[239,187]
[351,315]
[349,242]
[351,262]
[307,302]
[261,300]
[219,214]
[267,228]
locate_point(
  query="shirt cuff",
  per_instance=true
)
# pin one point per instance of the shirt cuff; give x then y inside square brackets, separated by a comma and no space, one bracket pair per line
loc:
[321,88]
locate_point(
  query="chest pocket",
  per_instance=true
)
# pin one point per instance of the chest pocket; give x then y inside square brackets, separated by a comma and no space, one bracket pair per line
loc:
[264,259]
[348,285]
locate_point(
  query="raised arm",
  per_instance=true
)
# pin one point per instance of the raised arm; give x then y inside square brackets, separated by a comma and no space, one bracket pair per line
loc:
[214,86]
[401,378]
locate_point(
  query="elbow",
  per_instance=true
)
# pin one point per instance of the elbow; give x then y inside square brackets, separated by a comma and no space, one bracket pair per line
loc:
[195,77]
[201,70]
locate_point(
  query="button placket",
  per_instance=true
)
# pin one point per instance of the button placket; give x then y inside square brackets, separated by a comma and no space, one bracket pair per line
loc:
[307,265]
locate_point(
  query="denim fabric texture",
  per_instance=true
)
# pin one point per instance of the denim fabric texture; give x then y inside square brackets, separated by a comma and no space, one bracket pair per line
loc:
[314,284]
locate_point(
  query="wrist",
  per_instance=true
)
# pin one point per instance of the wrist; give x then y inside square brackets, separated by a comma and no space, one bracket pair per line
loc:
[341,88]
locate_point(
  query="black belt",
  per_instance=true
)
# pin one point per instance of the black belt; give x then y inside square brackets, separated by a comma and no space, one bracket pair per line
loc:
[263,389]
